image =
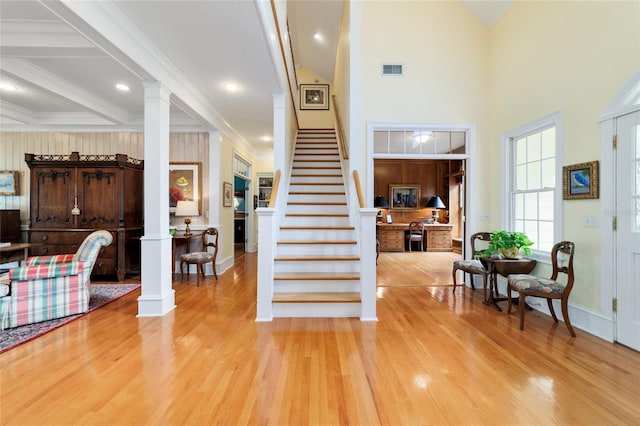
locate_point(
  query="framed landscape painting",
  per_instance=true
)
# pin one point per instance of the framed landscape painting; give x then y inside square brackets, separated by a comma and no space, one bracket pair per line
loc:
[9,183]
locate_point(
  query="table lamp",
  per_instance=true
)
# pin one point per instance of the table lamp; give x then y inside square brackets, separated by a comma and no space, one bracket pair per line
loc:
[435,203]
[187,209]
[381,203]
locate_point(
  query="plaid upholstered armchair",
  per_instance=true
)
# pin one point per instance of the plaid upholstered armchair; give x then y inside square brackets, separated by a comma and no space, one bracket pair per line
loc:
[49,287]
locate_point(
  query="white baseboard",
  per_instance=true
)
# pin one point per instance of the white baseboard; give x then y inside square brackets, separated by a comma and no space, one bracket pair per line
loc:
[581,317]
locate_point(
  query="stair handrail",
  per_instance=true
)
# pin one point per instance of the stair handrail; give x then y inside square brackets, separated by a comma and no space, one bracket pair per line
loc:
[341,139]
[356,181]
[274,189]
[284,61]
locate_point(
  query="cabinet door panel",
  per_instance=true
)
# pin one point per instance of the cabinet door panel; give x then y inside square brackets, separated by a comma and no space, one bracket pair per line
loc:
[52,190]
[99,193]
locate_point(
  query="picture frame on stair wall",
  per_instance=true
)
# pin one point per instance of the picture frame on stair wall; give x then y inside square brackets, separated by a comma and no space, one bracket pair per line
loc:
[314,96]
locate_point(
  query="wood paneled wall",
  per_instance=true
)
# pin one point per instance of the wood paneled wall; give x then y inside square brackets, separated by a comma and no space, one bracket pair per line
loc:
[184,147]
[428,174]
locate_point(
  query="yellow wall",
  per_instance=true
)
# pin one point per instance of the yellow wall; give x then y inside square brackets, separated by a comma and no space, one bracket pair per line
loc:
[444,53]
[570,57]
[314,119]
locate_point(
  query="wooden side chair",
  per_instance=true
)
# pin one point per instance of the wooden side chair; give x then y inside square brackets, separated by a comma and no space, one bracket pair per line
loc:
[473,266]
[200,258]
[416,234]
[548,288]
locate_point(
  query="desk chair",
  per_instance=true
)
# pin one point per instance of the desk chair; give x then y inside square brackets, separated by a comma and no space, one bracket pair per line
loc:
[479,243]
[202,257]
[547,288]
[416,234]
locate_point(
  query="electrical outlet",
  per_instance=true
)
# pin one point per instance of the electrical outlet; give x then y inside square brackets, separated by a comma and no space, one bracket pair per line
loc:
[483,216]
[590,221]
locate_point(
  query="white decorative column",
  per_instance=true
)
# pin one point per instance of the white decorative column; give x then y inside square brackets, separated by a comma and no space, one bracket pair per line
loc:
[215,179]
[214,209]
[368,264]
[266,251]
[157,296]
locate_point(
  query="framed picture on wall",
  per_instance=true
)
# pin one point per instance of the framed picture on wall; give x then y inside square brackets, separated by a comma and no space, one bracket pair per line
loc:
[580,181]
[9,183]
[314,96]
[185,183]
[404,197]
[227,194]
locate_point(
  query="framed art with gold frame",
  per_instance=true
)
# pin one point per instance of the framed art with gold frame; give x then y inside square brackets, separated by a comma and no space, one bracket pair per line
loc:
[404,197]
[580,181]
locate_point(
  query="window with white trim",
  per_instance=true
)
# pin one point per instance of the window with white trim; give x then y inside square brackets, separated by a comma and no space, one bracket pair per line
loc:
[534,189]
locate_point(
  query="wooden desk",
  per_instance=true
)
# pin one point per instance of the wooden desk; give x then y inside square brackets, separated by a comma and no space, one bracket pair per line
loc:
[16,252]
[503,267]
[392,236]
[180,239]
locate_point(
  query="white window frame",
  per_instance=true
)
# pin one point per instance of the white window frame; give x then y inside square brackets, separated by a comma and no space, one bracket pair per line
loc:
[552,120]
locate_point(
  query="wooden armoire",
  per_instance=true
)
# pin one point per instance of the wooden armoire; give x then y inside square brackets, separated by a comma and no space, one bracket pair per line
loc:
[74,195]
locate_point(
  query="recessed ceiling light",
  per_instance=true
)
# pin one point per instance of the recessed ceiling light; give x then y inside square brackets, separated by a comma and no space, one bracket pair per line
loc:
[266,138]
[122,87]
[8,87]
[317,36]
[231,87]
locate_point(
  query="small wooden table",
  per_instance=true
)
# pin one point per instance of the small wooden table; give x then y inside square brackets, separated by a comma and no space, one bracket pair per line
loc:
[504,267]
[181,239]
[16,252]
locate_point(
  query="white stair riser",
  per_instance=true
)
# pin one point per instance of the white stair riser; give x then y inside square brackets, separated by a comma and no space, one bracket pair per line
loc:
[331,286]
[317,250]
[316,157]
[310,208]
[317,198]
[316,266]
[317,149]
[316,234]
[315,172]
[315,221]
[315,188]
[298,180]
[303,164]
[316,310]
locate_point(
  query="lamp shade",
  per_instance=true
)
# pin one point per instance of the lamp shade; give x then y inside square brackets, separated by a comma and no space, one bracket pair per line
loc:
[436,203]
[187,208]
[381,202]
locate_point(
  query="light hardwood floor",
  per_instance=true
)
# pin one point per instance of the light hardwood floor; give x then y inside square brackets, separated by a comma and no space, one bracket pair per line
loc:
[432,358]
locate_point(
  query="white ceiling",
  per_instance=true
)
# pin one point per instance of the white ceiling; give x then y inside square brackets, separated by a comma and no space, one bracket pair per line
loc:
[66,57]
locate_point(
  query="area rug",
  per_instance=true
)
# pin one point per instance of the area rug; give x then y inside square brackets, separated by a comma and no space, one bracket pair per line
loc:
[101,294]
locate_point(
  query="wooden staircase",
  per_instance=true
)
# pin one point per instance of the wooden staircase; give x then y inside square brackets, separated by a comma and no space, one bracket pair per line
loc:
[316,266]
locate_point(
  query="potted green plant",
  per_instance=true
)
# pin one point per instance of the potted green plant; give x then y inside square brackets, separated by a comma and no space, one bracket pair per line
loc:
[511,245]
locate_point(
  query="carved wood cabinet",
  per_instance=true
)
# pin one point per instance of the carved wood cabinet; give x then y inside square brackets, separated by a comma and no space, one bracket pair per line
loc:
[74,195]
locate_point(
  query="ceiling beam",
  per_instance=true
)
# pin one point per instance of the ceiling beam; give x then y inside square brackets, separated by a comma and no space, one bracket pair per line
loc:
[105,25]
[26,71]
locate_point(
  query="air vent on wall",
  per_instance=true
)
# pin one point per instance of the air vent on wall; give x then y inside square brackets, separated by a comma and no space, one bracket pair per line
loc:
[391,69]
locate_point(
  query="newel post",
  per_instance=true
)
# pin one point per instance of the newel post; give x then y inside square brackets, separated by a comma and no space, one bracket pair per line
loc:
[368,263]
[266,251]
